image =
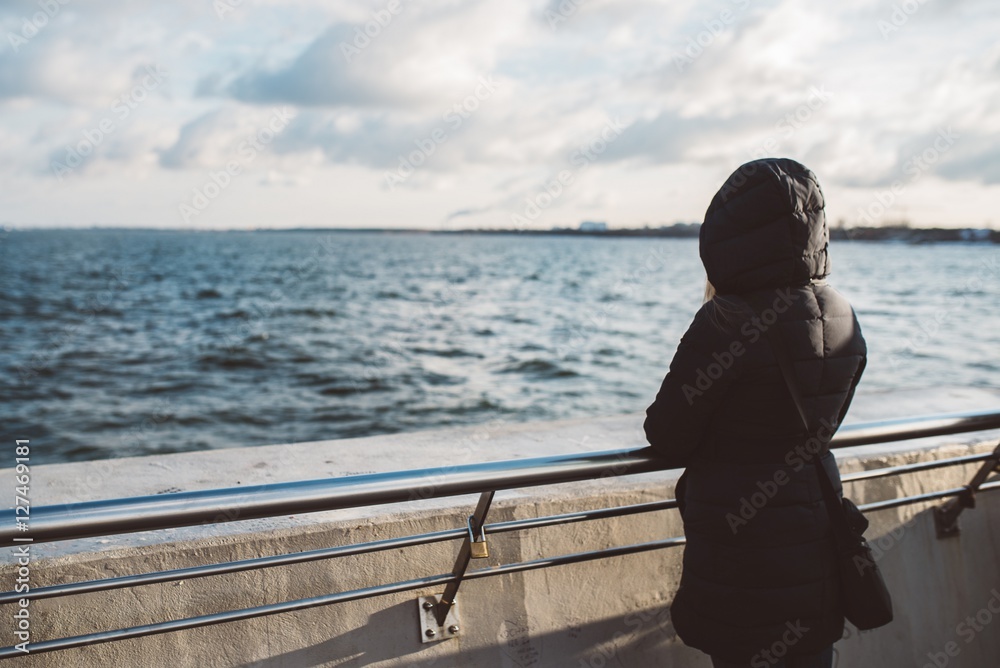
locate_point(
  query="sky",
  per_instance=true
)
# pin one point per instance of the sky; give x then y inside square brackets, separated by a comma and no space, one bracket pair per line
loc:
[451,114]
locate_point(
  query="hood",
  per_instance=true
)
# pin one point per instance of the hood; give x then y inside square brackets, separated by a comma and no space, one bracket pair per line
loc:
[766,228]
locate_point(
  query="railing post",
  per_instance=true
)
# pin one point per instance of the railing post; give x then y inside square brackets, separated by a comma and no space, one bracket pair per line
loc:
[439,612]
[464,554]
[946,516]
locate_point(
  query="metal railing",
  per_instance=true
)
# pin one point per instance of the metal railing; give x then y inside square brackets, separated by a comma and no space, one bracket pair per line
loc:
[120,516]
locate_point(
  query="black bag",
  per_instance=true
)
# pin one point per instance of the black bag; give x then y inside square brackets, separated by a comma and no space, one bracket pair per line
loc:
[866,600]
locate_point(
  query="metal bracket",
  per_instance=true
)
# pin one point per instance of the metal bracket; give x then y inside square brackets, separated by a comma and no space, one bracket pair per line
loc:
[946,522]
[946,516]
[430,629]
[478,520]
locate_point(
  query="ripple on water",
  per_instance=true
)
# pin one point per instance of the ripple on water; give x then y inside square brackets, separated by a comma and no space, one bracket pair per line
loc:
[231,314]
[370,340]
[310,312]
[434,378]
[171,388]
[233,361]
[538,368]
[446,352]
[343,390]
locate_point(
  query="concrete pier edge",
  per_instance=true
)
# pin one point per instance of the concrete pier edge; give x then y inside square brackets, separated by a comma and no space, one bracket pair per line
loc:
[591,614]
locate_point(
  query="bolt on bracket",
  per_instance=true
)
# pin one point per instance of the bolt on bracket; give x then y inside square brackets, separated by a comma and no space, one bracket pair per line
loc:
[430,629]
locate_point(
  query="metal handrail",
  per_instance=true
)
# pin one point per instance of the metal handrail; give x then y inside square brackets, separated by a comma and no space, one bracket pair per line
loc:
[410,585]
[339,597]
[181,509]
[214,506]
[904,429]
[256,563]
[889,471]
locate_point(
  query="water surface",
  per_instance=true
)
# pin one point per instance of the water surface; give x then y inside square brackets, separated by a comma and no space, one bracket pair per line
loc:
[133,342]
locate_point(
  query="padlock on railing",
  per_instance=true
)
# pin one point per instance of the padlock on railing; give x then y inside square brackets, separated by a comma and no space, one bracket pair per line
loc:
[477,540]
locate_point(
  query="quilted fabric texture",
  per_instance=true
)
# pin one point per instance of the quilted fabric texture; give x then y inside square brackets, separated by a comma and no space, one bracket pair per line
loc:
[759,572]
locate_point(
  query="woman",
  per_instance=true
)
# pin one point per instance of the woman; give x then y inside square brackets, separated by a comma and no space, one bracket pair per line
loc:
[760,586]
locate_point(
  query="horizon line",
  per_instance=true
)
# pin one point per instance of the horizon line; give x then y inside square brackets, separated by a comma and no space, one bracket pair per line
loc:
[611,231]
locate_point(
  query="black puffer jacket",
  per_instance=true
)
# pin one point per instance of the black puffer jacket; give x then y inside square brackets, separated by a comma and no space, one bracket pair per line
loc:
[759,577]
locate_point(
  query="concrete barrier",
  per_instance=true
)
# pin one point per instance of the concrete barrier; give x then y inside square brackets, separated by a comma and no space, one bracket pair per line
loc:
[612,612]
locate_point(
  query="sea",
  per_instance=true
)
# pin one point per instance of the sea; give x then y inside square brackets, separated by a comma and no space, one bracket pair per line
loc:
[127,342]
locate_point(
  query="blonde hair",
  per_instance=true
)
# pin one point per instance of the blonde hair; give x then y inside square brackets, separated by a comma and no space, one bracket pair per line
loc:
[709,290]
[725,313]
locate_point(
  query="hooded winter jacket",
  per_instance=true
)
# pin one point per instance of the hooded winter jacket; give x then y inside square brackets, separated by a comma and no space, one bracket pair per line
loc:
[759,578]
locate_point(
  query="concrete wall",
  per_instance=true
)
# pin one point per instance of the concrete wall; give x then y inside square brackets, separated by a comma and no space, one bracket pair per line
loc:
[605,613]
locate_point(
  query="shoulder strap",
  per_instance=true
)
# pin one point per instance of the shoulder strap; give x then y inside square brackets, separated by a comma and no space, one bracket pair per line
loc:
[834,506]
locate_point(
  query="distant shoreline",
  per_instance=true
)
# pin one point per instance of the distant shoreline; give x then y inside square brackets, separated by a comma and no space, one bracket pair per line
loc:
[911,235]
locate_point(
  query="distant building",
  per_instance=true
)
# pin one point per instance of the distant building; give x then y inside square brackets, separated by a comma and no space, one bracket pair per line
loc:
[681,229]
[975,235]
[591,226]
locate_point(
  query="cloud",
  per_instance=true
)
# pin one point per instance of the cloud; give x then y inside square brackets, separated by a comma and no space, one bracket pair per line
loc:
[60,71]
[976,158]
[672,138]
[411,58]
[347,137]
[369,90]
[208,140]
[321,76]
